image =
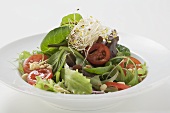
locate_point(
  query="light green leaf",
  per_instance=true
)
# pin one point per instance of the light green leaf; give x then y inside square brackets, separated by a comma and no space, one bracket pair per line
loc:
[77,83]
[142,70]
[99,70]
[22,56]
[96,82]
[71,19]
[57,60]
[129,76]
[50,85]
[55,36]
[44,84]
[111,76]
[135,79]
[121,76]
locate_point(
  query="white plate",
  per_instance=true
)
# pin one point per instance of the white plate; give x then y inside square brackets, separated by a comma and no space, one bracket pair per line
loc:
[153,101]
[153,53]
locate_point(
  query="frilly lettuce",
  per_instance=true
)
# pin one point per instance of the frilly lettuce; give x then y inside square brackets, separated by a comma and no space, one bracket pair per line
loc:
[22,56]
[76,82]
[50,85]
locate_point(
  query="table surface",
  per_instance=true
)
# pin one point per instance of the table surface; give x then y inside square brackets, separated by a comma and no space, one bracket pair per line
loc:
[149,18]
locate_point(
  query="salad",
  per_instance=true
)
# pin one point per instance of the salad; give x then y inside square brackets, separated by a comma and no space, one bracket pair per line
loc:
[81,56]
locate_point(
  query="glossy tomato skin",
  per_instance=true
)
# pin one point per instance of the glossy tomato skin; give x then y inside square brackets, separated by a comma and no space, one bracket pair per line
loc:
[43,73]
[117,85]
[136,62]
[98,54]
[130,65]
[31,59]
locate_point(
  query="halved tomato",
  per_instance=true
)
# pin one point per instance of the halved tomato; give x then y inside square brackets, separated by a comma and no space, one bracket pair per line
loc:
[43,73]
[31,59]
[98,54]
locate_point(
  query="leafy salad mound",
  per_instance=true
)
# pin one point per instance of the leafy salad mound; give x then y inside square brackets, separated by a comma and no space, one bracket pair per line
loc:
[81,56]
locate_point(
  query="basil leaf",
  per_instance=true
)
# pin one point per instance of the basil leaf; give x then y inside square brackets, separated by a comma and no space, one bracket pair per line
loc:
[55,36]
[71,20]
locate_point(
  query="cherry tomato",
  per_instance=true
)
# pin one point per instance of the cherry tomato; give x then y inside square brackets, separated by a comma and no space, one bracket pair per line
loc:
[98,54]
[130,65]
[136,61]
[117,85]
[43,73]
[31,59]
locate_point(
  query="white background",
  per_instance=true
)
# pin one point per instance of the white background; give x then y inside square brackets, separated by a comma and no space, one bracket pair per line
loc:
[149,18]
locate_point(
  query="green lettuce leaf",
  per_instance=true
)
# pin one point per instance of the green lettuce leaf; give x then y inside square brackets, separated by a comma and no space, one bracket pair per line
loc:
[57,60]
[110,76]
[71,20]
[50,85]
[99,70]
[55,36]
[77,55]
[76,82]
[96,82]
[135,79]
[143,70]
[22,56]
[121,76]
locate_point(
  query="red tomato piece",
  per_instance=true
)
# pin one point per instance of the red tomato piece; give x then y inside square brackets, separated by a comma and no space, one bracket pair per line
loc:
[43,73]
[130,65]
[136,61]
[118,85]
[31,59]
[98,54]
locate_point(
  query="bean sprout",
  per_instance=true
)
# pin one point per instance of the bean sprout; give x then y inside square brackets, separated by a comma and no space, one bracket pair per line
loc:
[86,32]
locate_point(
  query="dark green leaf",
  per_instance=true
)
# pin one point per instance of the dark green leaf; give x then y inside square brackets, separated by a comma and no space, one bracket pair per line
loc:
[55,36]
[76,53]
[71,60]
[122,50]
